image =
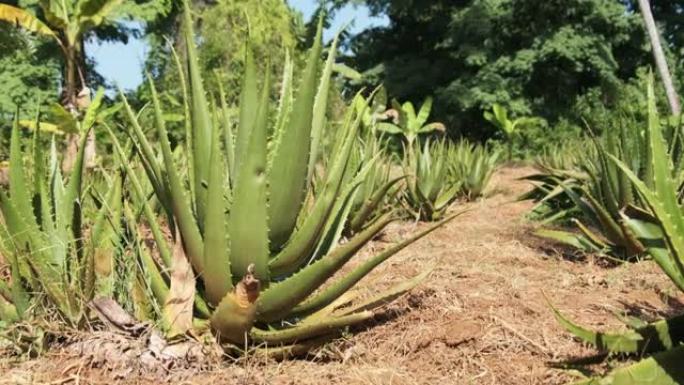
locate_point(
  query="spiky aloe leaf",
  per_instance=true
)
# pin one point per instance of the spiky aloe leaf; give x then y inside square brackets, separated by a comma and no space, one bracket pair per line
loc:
[304,241]
[217,277]
[181,208]
[320,108]
[284,105]
[372,204]
[18,187]
[147,155]
[228,138]
[277,301]
[651,236]
[249,105]
[305,331]
[341,286]
[389,295]
[248,221]
[164,249]
[149,268]
[660,369]
[201,119]
[656,336]
[288,172]
[577,241]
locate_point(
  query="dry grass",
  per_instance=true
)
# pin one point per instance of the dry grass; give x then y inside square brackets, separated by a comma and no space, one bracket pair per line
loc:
[480,318]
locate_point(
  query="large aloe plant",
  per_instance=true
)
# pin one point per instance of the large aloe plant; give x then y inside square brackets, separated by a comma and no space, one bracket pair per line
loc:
[249,255]
[660,228]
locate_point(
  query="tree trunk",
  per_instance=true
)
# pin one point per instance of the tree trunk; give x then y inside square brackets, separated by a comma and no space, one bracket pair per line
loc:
[659,56]
[76,99]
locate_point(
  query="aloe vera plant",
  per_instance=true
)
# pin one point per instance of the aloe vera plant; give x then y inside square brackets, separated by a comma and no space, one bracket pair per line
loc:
[473,165]
[42,231]
[432,186]
[604,190]
[659,228]
[379,190]
[254,243]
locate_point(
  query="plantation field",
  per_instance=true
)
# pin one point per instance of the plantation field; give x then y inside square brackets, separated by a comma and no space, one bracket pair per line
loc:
[480,317]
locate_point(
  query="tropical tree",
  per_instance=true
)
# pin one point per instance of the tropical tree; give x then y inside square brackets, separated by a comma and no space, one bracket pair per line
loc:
[409,124]
[499,117]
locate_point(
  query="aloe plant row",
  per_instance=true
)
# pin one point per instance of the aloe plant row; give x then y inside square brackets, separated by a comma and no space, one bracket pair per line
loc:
[659,228]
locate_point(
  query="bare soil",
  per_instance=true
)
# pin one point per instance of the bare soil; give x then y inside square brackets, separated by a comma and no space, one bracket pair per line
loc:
[480,318]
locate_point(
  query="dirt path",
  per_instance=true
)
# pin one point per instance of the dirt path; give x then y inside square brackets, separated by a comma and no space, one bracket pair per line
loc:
[480,318]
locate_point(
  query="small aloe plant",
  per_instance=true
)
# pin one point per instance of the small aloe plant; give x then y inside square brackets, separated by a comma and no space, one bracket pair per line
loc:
[473,165]
[432,185]
[249,256]
[42,229]
[660,229]
[409,124]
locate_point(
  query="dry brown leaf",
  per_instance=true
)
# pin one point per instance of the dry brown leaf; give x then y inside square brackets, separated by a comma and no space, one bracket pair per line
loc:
[178,306]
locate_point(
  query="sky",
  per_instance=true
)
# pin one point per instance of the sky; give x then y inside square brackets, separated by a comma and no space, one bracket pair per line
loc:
[122,64]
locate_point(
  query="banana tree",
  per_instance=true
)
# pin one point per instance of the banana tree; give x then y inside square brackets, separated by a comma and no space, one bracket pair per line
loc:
[249,255]
[409,124]
[68,22]
[498,116]
[660,229]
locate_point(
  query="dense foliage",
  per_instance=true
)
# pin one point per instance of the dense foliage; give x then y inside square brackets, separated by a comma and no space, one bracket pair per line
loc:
[534,58]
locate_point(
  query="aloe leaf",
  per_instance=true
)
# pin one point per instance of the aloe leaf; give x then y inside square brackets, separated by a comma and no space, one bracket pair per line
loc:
[248,220]
[249,106]
[651,236]
[228,139]
[390,294]
[149,268]
[305,331]
[217,277]
[147,155]
[164,250]
[341,286]
[303,242]
[288,172]
[575,240]
[320,108]
[666,219]
[656,336]
[284,106]
[294,350]
[201,120]
[372,203]
[277,301]
[181,208]
[664,186]
[18,187]
[660,369]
